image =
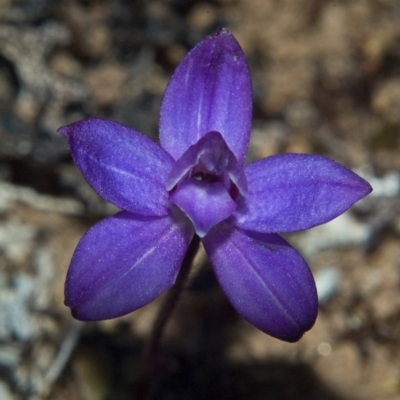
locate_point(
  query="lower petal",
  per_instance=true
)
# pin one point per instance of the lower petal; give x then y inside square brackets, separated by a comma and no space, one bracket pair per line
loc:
[124,262]
[266,280]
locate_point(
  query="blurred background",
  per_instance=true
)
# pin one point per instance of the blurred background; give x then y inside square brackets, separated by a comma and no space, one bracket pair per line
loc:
[326,80]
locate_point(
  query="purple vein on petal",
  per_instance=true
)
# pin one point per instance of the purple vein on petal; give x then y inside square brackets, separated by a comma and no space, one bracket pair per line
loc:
[209,91]
[122,166]
[278,299]
[124,262]
[269,284]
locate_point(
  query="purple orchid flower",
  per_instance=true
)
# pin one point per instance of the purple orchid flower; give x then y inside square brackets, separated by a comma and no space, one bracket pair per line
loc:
[196,183]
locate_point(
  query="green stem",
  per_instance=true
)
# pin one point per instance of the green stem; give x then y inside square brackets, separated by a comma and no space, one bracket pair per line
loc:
[151,349]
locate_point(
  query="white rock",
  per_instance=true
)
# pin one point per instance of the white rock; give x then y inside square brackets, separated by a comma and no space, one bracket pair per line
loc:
[327,282]
[344,230]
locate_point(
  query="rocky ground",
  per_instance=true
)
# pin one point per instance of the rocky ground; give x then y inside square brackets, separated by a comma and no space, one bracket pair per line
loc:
[326,80]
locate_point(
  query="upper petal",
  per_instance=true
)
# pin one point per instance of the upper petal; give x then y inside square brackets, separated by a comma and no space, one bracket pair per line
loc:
[123,263]
[266,280]
[291,192]
[209,91]
[123,166]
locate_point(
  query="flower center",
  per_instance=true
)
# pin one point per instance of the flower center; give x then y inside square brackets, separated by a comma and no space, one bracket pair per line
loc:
[205,182]
[205,177]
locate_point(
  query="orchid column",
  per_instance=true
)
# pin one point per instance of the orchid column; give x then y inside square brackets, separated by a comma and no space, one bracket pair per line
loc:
[195,183]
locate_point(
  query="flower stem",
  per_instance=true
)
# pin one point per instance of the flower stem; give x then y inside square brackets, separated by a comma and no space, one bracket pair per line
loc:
[151,349]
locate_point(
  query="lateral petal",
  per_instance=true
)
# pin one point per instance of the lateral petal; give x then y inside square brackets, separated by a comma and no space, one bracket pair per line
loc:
[124,262]
[123,166]
[266,280]
[292,192]
[209,91]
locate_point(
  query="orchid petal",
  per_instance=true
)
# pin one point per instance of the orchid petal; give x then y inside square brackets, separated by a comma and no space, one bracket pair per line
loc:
[292,192]
[123,166]
[214,156]
[266,280]
[209,91]
[123,263]
[204,203]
